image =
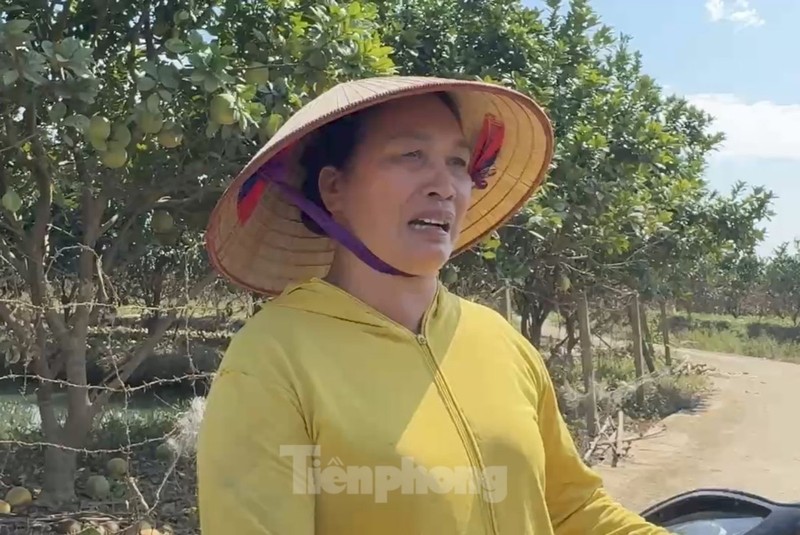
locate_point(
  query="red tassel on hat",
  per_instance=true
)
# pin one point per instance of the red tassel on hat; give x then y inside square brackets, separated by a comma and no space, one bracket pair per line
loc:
[490,140]
[253,188]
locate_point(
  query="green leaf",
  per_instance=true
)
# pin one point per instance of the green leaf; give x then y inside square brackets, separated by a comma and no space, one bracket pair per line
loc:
[197,61]
[317,60]
[34,77]
[169,76]
[12,201]
[98,144]
[48,49]
[150,68]
[383,65]
[153,103]
[11,76]
[181,16]
[211,84]
[176,45]
[195,39]
[225,78]
[354,9]
[78,122]
[227,97]
[58,111]
[211,129]
[273,123]
[198,77]
[381,51]
[121,134]
[17,26]
[145,83]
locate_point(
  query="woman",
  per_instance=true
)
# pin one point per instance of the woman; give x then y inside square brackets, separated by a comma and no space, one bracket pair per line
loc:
[366,398]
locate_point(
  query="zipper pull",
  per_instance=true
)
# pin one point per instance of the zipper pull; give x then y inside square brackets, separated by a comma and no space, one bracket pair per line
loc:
[421,339]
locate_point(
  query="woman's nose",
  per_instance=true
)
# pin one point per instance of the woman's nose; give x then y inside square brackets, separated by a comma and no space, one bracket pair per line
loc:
[441,182]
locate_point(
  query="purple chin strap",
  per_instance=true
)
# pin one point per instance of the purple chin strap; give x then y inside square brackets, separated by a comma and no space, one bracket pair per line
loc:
[336,231]
[274,171]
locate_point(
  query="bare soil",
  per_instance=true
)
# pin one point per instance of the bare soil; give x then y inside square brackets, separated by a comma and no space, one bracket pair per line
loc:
[746,436]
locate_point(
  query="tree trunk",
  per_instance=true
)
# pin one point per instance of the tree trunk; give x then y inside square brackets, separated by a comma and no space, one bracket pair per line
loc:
[636,327]
[648,352]
[572,341]
[508,301]
[535,332]
[60,463]
[533,315]
[60,468]
[592,423]
[665,332]
[537,325]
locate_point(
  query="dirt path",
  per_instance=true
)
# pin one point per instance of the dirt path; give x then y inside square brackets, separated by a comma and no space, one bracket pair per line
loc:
[747,437]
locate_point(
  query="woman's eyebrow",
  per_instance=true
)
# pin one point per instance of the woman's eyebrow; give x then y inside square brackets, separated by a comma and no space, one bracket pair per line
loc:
[422,136]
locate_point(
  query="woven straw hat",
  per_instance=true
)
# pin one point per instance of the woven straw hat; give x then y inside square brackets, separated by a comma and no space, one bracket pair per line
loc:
[270,247]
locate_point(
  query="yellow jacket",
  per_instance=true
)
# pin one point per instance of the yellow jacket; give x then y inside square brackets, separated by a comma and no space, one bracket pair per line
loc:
[454,431]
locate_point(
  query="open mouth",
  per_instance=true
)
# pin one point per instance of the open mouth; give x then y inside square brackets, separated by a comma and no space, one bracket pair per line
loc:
[429,223]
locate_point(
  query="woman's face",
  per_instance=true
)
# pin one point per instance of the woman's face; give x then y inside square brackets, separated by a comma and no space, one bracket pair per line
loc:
[406,188]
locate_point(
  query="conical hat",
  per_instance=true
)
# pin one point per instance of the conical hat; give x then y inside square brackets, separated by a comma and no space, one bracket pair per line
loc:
[272,248]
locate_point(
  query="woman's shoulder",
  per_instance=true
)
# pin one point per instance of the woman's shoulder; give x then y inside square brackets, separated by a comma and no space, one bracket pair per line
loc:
[484,317]
[264,341]
[485,322]
[480,310]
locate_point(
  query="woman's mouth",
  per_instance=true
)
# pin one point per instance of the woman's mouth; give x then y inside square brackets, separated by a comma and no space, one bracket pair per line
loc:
[425,224]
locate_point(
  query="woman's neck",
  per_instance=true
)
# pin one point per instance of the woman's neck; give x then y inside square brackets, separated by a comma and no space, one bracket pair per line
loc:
[401,299]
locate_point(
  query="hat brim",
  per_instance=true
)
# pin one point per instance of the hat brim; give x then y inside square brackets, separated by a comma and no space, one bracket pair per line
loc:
[274,248]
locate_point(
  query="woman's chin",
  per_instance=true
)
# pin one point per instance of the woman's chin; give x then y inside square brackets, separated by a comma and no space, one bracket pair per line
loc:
[423,262]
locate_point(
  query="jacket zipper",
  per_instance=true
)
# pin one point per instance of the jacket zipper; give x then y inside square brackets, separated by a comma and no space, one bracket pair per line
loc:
[467,439]
[457,417]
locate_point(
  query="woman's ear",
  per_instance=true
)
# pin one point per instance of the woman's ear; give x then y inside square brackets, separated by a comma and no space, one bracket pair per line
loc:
[331,188]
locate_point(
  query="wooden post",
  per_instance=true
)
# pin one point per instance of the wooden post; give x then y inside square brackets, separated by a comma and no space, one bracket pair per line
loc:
[648,352]
[620,434]
[587,365]
[665,332]
[250,305]
[636,326]
[509,307]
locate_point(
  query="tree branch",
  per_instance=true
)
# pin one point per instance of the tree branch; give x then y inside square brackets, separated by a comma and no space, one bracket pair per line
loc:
[144,349]
[44,393]
[92,209]
[61,22]
[36,240]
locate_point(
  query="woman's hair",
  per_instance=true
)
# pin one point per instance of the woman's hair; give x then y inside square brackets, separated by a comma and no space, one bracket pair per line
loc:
[333,145]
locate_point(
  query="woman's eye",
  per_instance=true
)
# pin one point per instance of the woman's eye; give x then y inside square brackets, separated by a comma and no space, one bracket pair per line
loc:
[413,154]
[460,162]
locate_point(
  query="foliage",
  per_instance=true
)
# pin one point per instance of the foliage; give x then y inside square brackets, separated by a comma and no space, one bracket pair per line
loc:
[782,281]
[750,285]
[121,125]
[625,206]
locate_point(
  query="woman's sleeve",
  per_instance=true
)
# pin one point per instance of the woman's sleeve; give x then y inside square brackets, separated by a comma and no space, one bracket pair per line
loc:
[577,502]
[246,484]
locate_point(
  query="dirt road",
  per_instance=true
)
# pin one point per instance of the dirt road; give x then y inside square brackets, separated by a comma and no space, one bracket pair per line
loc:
[747,437]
